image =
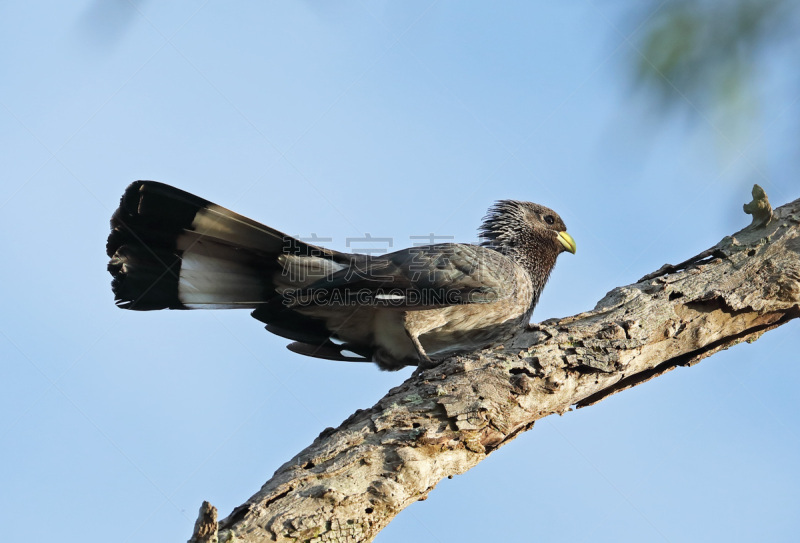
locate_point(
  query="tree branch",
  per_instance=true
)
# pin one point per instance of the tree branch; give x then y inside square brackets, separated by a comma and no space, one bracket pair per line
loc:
[351,482]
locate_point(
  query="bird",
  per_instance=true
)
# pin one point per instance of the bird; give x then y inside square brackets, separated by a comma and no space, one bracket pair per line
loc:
[170,249]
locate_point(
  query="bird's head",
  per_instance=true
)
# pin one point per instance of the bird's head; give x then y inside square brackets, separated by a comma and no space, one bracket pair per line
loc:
[528,232]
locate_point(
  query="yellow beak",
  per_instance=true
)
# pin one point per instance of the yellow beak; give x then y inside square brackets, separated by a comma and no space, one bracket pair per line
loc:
[567,241]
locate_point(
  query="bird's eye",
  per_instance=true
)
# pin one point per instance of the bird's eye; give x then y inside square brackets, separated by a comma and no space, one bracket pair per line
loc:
[549,219]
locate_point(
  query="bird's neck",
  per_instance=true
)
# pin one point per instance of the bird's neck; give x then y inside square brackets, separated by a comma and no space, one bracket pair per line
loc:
[538,264]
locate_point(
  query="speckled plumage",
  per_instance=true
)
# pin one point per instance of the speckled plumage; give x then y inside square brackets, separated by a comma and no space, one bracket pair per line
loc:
[171,249]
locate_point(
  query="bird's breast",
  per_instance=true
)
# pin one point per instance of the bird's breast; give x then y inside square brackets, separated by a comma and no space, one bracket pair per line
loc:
[468,327]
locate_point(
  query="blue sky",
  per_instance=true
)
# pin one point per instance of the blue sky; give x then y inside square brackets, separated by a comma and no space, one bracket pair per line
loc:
[396,119]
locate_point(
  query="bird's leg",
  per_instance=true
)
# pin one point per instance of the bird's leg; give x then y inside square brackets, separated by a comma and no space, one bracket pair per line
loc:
[424,360]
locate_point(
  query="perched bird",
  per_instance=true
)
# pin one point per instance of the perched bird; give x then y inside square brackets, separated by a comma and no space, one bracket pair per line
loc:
[171,249]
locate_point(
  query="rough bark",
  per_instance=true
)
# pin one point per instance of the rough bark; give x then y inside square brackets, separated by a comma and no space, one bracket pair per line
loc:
[351,482]
[205,528]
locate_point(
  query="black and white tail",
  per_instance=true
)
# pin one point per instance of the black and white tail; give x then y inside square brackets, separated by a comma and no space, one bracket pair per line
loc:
[171,249]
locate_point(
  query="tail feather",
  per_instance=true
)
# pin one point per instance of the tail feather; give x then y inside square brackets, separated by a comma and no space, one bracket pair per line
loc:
[145,277]
[171,249]
[219,276]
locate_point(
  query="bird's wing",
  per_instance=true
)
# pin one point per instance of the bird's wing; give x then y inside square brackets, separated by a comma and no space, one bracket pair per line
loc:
[417,278]
[328,350]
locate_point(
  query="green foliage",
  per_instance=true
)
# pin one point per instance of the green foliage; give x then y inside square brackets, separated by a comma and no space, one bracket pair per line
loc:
[706,51]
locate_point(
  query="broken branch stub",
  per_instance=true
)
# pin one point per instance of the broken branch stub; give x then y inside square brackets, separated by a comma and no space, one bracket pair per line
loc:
[759,207]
